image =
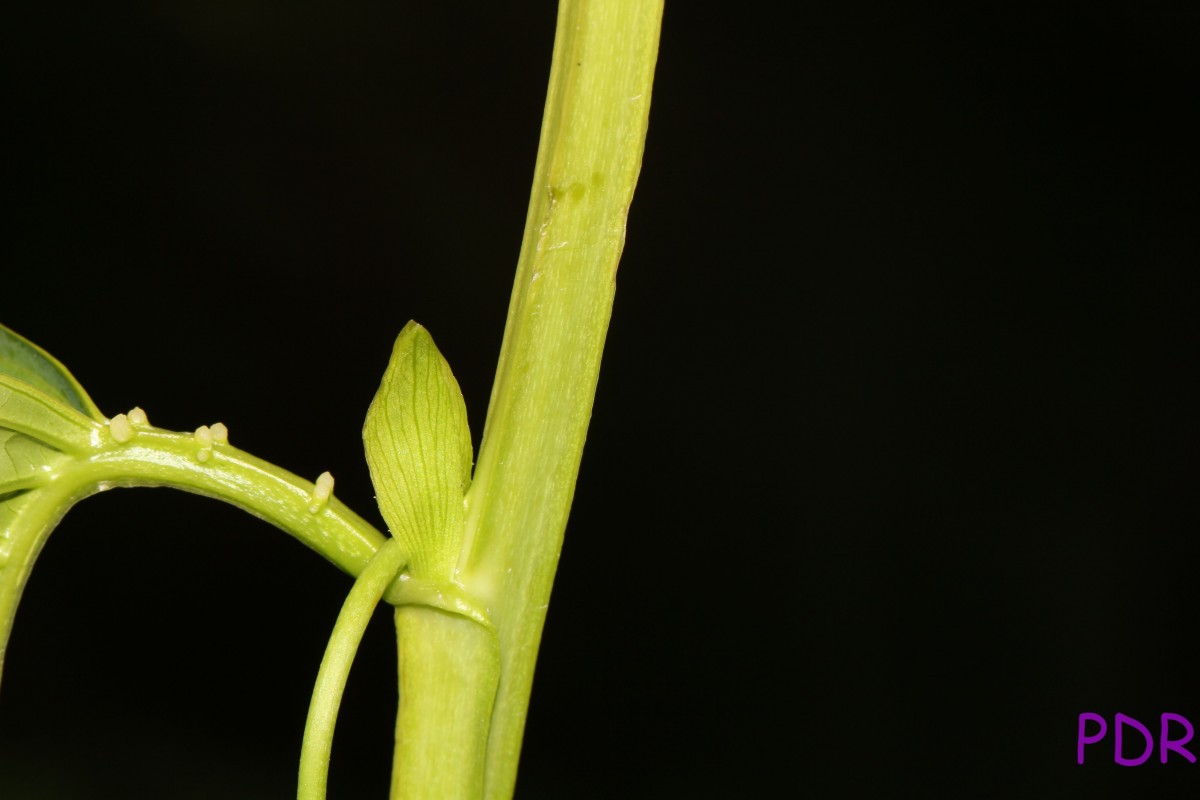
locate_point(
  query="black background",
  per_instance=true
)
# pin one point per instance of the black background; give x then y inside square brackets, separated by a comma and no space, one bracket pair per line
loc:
[892,467]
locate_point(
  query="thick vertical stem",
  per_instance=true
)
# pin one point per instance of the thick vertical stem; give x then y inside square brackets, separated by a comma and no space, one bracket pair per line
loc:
[589,157]
[448,674]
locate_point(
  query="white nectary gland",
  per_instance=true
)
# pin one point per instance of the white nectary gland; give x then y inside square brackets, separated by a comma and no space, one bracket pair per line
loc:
[322,490]
[204,438]
[120,429]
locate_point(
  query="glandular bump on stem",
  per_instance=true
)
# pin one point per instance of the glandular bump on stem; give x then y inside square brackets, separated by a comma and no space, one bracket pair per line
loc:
[204,439]
[322,490]
[120,429]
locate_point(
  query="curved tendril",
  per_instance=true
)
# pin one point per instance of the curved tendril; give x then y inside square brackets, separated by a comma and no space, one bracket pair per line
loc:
[343,644]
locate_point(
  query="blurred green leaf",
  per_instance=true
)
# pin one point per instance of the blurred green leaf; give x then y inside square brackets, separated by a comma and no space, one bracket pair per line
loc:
[42,417]
[25,361]
[24,461]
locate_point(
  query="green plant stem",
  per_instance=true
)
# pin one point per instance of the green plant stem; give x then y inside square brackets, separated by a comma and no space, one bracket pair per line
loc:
[448,671]
[343,644]
[590,153]
[156,457]
[48,504]
[165,458]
